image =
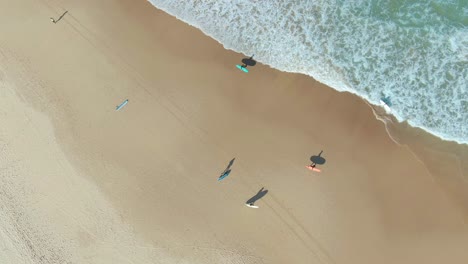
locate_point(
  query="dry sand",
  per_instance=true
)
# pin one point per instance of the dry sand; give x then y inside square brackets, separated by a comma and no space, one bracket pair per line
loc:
[82,183]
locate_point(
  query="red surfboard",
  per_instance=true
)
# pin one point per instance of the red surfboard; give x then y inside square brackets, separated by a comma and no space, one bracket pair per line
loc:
[313,168]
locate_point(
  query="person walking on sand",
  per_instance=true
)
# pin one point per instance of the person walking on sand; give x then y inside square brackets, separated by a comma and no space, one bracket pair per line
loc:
[53,20]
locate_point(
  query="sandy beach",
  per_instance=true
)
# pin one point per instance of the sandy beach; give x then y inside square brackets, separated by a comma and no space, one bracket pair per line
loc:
[83,183]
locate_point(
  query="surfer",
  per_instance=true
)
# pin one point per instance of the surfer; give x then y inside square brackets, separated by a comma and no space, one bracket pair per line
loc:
[251,202]
[246,62]
[313,168]
[386,103]
[251,205]
[224,174]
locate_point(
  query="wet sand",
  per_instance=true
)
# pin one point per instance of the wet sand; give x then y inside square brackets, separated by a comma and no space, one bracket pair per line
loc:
[83,183]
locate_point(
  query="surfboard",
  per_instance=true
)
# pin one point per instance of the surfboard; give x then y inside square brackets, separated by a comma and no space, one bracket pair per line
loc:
[242,68]
[385,106]
[120,106]
[224,175]
[313,168]
[251,206]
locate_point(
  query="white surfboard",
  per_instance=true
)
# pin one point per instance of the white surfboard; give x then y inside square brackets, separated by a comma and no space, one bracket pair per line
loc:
[385,106]
[251,206]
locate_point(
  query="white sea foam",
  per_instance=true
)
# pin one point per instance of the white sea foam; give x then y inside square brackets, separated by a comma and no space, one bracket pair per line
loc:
[415,53]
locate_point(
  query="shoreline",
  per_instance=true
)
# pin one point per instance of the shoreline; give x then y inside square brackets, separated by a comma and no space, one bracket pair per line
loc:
[362,96]
[190,111]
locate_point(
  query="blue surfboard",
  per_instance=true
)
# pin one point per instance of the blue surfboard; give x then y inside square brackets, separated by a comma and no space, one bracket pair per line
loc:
[120,106]
[224,175]
[242,68]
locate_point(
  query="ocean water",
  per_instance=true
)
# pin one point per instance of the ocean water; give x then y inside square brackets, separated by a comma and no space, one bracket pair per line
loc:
[413,52]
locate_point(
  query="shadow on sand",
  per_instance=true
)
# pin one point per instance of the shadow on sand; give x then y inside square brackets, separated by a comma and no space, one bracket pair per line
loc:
[60,18]
[319,160]
[249,61]
[228,168]
[257,196]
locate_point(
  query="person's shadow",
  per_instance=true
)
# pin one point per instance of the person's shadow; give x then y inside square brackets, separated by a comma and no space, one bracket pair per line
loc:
[60,18]
[318,159]
[228,168]
[257,196]
[249,61]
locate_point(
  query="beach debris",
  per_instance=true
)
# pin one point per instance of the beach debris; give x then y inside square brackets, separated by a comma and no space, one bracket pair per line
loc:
[120,106]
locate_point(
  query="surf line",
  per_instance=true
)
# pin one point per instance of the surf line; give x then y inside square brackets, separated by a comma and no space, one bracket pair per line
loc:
[120,106]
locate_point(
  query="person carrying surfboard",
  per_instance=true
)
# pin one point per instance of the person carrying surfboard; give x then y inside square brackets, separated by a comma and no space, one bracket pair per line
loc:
[246,62]
[224,174]
[251,205]
[312,167]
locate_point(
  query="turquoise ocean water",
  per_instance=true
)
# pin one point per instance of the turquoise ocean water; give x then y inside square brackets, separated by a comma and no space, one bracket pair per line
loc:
[414,52]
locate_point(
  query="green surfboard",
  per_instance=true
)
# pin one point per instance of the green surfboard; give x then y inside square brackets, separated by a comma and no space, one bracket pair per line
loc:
[242,68]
